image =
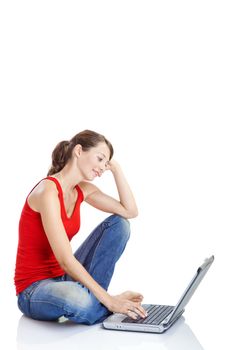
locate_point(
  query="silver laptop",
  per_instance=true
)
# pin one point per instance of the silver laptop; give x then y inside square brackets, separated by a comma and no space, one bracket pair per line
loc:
[160,317]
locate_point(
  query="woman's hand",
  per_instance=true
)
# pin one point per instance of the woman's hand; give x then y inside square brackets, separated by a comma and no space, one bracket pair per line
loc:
[128,206]
[128,303]
[112,165]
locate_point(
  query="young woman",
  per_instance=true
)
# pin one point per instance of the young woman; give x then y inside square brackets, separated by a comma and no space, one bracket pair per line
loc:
[50,280]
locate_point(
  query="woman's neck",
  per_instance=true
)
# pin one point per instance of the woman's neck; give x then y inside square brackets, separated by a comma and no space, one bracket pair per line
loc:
[68,177]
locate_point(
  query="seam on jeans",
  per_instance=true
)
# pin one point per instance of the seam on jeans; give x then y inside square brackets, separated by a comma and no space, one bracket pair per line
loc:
[108,221]
[100,242]
[95,250]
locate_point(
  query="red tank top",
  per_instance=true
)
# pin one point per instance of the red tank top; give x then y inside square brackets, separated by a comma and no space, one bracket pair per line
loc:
[35,260]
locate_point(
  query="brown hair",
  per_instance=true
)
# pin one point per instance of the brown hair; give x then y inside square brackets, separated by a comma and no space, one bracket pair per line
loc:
[63,151]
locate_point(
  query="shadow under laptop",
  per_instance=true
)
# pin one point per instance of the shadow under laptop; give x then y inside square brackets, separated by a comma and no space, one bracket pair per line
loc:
[34,335]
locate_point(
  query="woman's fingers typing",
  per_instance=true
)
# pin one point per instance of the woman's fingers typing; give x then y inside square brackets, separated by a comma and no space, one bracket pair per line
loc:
[133,309]
[124,304]
[136,310]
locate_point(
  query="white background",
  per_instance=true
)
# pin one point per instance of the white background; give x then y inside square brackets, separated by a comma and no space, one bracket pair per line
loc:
[155,77]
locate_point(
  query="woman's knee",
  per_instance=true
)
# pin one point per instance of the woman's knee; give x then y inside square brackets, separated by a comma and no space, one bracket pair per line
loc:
[121,226]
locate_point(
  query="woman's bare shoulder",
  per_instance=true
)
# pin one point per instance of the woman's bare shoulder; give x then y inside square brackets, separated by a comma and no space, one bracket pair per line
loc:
[43,189]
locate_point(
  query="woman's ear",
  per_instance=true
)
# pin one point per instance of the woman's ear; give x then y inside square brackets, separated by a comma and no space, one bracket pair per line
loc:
[78,150]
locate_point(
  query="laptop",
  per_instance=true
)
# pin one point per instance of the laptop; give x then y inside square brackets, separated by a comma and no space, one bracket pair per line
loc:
[159,317]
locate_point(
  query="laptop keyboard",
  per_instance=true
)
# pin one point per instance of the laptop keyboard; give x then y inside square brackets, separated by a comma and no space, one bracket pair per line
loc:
[156,314]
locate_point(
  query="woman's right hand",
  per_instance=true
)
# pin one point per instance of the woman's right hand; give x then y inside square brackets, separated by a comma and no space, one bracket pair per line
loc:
[128,303]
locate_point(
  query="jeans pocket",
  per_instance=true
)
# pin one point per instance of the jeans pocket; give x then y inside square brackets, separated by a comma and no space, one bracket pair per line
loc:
[23,304]
[24,298]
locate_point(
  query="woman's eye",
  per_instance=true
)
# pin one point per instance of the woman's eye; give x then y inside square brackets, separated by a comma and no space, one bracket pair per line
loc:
[100,159]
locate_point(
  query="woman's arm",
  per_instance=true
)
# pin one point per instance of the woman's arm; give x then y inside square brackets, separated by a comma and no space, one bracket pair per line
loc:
[49,207]
[125,206]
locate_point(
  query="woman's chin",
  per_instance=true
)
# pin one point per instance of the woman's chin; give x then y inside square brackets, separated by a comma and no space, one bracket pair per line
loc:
[90,178]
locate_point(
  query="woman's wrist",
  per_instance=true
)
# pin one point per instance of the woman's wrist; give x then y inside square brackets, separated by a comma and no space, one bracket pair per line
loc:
[107,301]
[114,167]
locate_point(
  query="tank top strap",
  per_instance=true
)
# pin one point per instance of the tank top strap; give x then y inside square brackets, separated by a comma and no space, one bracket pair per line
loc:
[80,193]
[56,183]
[48,178]
[60,195]
[35,187]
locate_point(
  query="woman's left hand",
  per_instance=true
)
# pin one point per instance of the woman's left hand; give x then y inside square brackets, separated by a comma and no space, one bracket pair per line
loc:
[112,165]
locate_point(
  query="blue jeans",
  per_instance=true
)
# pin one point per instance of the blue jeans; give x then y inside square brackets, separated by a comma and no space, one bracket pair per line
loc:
[52,298]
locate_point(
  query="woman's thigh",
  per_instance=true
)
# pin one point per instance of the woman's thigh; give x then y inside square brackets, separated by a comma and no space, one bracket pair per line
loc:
[53,298]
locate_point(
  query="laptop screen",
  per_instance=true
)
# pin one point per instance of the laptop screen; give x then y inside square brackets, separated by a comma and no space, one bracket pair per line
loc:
[191,289]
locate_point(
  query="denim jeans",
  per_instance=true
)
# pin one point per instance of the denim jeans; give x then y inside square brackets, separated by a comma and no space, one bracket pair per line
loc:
[52,298]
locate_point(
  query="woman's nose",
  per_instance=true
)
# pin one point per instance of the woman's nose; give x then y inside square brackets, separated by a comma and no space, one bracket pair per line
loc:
[102,170]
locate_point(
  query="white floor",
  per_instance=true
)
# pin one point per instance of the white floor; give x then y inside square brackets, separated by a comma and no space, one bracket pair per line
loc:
[31,334]
[22,333]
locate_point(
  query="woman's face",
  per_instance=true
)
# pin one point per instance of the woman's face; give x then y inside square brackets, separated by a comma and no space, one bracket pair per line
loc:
[94,162]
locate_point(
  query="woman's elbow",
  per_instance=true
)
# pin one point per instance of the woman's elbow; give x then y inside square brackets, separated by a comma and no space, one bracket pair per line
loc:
[66,264]
[131,214]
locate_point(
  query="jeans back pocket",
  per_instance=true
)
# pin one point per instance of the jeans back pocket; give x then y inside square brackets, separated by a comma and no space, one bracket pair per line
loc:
[24,298]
